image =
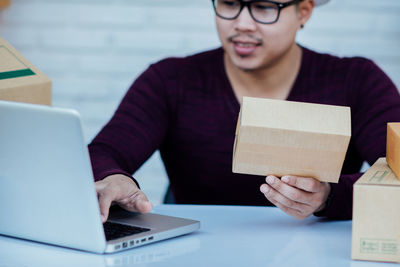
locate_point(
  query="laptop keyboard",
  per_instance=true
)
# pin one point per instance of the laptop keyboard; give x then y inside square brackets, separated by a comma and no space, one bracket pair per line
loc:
[117,230]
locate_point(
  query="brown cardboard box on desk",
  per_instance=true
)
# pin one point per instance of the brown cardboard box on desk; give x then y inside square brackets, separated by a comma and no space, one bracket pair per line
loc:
[291,138]
[19,80]
[393,147]
[376,215]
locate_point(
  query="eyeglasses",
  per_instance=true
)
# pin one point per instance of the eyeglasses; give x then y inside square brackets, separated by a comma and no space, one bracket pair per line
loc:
[262,11]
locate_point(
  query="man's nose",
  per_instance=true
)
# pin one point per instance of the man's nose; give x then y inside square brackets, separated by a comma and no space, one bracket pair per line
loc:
[244,22]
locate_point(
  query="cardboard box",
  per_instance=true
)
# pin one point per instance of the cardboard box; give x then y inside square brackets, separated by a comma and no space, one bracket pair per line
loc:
[376,215]
[393,147]
[276,137]
[19,80]
[4,3]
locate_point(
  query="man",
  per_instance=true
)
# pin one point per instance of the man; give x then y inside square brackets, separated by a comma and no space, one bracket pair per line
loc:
[188,107]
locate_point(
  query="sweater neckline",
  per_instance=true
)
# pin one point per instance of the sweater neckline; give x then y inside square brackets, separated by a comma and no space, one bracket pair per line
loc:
[233,102]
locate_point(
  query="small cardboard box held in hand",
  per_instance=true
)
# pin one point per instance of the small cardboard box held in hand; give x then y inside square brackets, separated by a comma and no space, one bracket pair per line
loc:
[376,215]
[20,81]
[276,137]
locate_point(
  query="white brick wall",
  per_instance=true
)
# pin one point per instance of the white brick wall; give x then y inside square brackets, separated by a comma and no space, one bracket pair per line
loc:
[93,50]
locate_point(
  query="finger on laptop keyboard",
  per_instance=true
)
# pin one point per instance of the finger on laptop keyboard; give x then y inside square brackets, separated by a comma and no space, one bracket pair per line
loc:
[105,201]
[143,205]
[137,202]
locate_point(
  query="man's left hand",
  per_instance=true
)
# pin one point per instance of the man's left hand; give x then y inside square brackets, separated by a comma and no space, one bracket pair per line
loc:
[297,196]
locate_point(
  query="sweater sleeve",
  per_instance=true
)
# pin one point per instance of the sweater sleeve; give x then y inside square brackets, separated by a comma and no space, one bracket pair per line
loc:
[374,101]
[135,131]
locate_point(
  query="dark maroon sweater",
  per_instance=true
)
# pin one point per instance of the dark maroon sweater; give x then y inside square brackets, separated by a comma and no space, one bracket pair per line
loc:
[186,108]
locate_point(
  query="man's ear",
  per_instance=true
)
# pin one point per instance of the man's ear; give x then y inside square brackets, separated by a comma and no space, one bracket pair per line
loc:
[304,11]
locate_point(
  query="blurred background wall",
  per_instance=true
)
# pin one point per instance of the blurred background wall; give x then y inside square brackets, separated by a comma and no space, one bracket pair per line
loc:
[93,50]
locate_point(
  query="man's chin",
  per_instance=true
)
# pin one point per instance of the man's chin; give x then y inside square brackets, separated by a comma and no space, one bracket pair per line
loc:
[246,64]
[246,68]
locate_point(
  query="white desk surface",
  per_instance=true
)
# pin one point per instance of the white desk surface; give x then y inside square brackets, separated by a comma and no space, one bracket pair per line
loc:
[228,236]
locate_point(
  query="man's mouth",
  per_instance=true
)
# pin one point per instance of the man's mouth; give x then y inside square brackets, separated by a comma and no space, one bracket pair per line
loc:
[244,49]
[245,45]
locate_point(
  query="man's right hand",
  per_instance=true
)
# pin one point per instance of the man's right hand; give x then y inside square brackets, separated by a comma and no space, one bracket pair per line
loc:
[122,190]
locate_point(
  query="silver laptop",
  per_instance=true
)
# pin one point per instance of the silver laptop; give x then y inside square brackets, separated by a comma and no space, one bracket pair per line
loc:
[47,191]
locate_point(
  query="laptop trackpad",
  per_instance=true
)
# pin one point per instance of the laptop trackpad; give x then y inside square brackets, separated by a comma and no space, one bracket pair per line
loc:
[148,220]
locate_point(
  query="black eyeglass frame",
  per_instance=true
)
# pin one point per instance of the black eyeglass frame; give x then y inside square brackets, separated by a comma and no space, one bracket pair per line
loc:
[247,4]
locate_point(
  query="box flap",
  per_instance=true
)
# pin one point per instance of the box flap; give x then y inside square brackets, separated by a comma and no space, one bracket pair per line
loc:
[289,115]
[395,126]
[15,70]
[393,147]
[379,174]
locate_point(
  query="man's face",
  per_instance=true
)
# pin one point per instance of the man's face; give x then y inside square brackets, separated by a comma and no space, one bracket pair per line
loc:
[250,45]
